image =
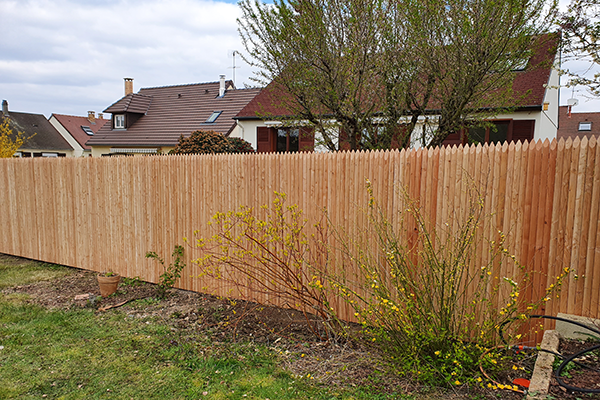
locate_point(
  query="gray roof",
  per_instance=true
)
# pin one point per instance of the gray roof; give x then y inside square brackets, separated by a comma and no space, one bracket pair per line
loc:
[42,135]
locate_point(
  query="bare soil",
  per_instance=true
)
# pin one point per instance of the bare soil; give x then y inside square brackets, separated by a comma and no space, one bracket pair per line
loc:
[286,331]
[585,376]
[334,362]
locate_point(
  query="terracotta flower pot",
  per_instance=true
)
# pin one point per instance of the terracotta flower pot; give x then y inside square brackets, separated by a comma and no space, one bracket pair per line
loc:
[108,284]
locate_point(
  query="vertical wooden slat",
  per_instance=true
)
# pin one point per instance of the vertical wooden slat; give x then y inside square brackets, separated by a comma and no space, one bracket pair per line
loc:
[106,213]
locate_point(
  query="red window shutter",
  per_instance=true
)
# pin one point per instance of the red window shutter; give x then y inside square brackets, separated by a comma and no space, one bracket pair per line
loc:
[264,139]
[523,130]
[399,134]
[344,142]
[453,139]
[307,139]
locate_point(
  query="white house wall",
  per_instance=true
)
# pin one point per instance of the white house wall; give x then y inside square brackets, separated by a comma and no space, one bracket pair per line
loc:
[77,149]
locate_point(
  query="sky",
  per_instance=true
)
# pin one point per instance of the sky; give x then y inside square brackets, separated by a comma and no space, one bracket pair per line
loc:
[70,56]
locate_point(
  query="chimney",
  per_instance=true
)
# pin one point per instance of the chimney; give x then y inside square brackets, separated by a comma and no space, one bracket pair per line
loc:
[5,108]
[92,116]
[221,85]
[128,86]
[100,116]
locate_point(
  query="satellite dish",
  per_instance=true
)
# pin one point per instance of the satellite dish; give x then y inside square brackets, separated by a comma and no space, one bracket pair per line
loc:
[572,102]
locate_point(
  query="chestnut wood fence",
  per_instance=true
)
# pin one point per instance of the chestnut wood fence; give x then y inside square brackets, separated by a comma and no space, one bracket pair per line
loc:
[106,213]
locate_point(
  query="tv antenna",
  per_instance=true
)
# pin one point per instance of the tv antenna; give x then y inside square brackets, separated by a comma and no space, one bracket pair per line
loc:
[232,54]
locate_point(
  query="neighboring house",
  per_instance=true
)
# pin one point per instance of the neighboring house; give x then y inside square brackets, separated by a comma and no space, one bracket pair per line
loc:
[78,130]
[152,120]
[534,116]
[577,124]
[42,139]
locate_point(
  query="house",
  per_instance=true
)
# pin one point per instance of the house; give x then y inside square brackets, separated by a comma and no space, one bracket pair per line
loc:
[534,115]
[152,120]
[577,124]
[78,130]
[42,139]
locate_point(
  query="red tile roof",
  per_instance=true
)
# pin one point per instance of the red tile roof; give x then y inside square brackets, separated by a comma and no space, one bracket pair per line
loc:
[74,123]
[174,111]
[528,85]
[568,126]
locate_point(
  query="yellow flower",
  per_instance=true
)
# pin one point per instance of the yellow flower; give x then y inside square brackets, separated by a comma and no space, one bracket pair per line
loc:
[500,386]
[479,379]
[457,382]
[515,367]
[437,353]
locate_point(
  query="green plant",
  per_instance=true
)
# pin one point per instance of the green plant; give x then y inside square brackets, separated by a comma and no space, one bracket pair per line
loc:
[272,258]
[135,281]
[422,297]
[108,273]
[170,273]
[239,145]
[202,142]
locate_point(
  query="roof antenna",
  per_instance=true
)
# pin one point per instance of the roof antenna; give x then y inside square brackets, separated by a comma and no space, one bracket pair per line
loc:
[572,102]
[232,54]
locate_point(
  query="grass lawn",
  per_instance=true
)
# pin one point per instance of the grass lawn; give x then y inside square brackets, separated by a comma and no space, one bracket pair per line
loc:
[82,354]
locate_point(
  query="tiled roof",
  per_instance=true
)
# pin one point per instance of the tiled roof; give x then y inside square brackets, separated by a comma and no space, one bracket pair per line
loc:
[134,103]
[568,125]
[74,123]
[528,85]
[45,136]
[173,111]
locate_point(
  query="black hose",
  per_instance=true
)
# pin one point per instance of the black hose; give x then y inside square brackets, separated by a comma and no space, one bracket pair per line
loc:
[570,359]
[566,360]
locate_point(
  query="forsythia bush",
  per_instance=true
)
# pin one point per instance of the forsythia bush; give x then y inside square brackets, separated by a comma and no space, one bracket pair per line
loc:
[9,142]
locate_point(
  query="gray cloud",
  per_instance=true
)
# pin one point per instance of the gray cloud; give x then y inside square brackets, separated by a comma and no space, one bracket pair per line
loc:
[70,56]
[67,56]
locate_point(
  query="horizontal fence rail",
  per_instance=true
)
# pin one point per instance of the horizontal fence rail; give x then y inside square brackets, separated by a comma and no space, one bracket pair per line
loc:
[105,213]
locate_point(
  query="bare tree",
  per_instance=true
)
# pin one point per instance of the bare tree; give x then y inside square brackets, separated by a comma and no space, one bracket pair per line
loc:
[374,68]
[581,37]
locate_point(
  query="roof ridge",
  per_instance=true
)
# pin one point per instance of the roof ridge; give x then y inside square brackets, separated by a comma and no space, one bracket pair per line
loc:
[182,85]
[77,116]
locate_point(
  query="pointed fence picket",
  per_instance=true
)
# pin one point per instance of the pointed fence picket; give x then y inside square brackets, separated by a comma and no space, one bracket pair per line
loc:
[106,213]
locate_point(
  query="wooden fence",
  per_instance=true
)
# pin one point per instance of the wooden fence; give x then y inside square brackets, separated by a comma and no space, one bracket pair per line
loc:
[106,213]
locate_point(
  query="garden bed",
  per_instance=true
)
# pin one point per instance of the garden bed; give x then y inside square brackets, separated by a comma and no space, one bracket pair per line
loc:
[337,362]
[586,376]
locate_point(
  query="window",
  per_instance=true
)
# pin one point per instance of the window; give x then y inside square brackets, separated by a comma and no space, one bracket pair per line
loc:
[585,126]
[213,117]
[87,130]
[490,134]
[279,140]
[119,121]
[498,132]
[287,140]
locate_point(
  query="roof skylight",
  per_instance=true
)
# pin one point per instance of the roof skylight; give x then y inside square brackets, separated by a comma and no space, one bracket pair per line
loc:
[87,130]
[213,117]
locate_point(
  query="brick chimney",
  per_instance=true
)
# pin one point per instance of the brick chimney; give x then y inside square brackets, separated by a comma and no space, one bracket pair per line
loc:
[92,116]
[100,116]
[128,86]
[221,85]
[5,108]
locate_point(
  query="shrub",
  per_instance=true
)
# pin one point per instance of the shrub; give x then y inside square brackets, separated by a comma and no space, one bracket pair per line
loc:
[202,142]
[273,257]
[239,145]
[420,295]
[171,273]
